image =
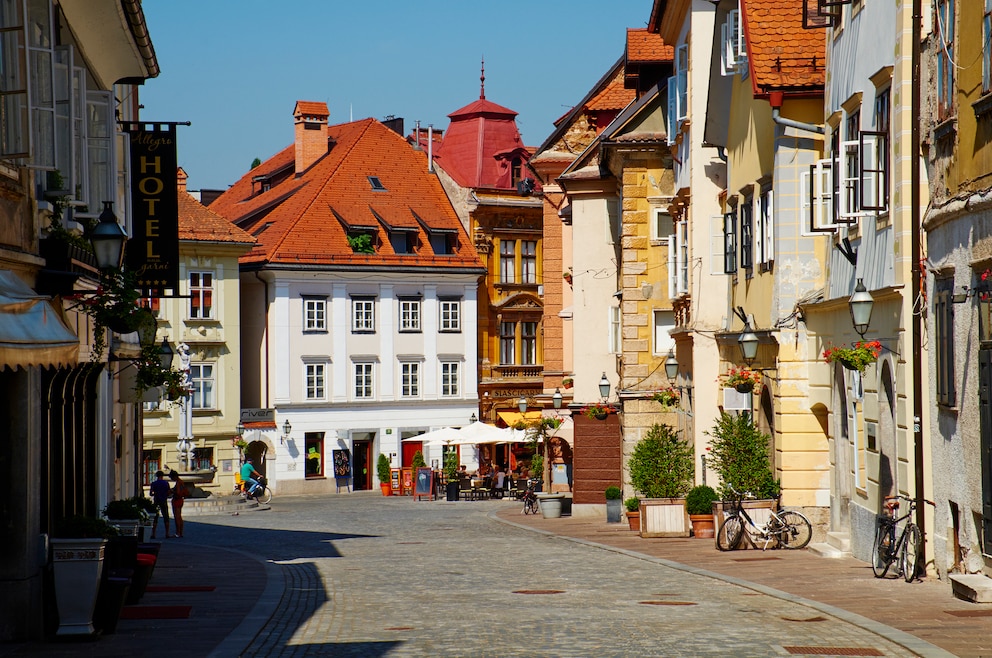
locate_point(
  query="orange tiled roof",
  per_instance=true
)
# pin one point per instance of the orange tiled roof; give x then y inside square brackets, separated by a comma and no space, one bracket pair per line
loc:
[781,53]
[311,108]
[644,46]
[197,222]
[611,97]
[300,220]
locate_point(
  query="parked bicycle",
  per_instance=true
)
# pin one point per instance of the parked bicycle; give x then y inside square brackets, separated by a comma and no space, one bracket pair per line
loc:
[785,528]
[529,497]
[887,548]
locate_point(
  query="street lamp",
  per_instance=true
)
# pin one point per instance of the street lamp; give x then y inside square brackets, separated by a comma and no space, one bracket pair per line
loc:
[671,365]
[556,399]
[861,303]
[240,428]
[108,238]
[604,387]
[286,430]
[473,418]
[522,405]
[165,354]
[748,342]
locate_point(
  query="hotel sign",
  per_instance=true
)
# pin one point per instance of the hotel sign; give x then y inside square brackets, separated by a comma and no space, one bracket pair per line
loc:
[153,249]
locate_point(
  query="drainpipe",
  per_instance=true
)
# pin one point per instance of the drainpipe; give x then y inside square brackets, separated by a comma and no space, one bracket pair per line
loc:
[775,99]
[265,285]
[917,255]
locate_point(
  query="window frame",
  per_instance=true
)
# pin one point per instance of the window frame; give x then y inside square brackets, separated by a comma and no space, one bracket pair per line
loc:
[528,262]
[944,339]
[766,238]
[528,343]
[987,48]
[614,335]
[507,343]
[315,380]
[197,398]
[410,380]
[363,380]
[450,379]
[944,33]
[315,439]
[203,295]
[730,242]
[507,261]
[449,315]
[314,314]
[363,314]
[658,234]
[658,347]
[747,234]
[410,313]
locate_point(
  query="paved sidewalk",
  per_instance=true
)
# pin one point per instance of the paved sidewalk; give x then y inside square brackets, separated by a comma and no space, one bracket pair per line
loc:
[924,609]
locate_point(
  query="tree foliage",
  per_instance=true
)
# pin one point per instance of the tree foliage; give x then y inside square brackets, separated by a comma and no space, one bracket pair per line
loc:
[739,455]
[661,465]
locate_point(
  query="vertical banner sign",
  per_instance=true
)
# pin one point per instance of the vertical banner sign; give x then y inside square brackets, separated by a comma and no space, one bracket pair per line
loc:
[153,250]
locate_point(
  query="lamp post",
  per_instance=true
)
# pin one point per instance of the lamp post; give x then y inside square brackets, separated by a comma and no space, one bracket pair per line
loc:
[473,418]
[240,428]
[748,342]
[860,304]
[108,238]
[556,399]
[604,387]
[165,354]
[671,366]
[287,429]
[522,405]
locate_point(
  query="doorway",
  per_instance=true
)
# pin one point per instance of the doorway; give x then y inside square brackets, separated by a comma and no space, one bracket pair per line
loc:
[361,457]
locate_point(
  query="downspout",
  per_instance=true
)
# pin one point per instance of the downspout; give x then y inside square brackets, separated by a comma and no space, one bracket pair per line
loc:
[917,255]
[775,99]
[265,285]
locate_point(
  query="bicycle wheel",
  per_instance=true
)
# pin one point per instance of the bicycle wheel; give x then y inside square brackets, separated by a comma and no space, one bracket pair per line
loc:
[795,531]
[728,537]
[881,550]
[910,555]
[265,497]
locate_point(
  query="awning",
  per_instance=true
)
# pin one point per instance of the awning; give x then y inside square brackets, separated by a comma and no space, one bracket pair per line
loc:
[31,332]
[511,418]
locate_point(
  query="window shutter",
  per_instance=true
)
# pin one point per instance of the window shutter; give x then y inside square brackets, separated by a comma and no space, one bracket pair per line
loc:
[682,73]
[42,93]
[821,196]
[874,171]
[683,258]
[717,238]
[850,182]
[726,65]
[770,227]
[730,43]
[730,243]
[740,46]
[673,270]
[747,235]
[673,109]
[759,234]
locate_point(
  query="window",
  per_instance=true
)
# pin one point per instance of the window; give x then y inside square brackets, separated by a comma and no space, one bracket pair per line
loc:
[875,157]
[747,238]
[313,445]
[410,379]
[850,195]
[730,242]
[151,461]
[528,261]
[409,314]
[507,261]
[662,225]
[363,315]
[945,58]
[449,378]
[451,319]
[615,345]
[203,458]
[363,381]
[664,323]
[42,85]
[733,55]
[314,314]
[442,244]
[100,168]
[202,378]
[316,373]
[403,242]
[528,343]
[507,343]
[678,93]
[14,135]
[766,237]
[376,184]
[987,48]
[151,304]
[683,260]
[201,291]
[944,330]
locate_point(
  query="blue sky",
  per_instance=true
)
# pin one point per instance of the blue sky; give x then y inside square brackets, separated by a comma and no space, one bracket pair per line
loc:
[236,68]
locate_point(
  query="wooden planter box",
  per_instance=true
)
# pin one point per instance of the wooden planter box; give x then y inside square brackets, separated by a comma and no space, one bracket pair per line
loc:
[758,510]
[664,517]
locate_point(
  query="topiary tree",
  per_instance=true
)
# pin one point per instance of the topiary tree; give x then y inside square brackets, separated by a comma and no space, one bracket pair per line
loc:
[418,460]
[739,455]
[661,465]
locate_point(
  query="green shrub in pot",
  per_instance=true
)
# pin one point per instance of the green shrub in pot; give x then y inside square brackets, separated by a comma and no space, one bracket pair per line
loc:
[700,499]
[613,493]
[662,464]
[633,504]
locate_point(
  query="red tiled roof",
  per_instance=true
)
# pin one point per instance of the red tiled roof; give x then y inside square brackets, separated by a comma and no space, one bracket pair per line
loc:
[782,55]
[311,108]
[644,46]
[197,222]
[611,97]
[296,219]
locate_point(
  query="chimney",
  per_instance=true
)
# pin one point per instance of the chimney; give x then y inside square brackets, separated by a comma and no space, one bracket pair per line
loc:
[310,119]
[181,179]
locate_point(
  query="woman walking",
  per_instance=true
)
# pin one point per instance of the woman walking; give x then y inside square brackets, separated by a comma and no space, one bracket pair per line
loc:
[180,492]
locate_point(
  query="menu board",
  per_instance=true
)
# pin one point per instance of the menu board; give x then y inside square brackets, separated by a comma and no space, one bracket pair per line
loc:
[342,463]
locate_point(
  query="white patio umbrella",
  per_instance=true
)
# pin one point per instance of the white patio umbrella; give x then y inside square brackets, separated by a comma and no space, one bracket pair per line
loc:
[443,436]
[479,432]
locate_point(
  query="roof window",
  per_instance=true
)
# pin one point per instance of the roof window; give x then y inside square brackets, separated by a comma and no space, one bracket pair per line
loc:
[376,184]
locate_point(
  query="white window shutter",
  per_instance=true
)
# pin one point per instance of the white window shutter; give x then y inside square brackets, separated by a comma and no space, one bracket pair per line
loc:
[726,59]
[717,245]
[673,270]
[683,258]
[740,47]
[682,73]
[759,234]
[821,197]
[770,228]
[673,110]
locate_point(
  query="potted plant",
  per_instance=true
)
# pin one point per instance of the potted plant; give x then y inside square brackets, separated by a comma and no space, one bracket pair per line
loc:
[859,357]
[418,460]
[739,453]
[661,467]
[382,470]
[451,476]
[613,501]
[598,411]
[633,505]
[126,515]
[742,379]
[567,382]
[699,504]
[567,275]
[667,397]
[78,546]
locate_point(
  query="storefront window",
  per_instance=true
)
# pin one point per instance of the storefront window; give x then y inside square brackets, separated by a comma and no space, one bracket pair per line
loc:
[314,446]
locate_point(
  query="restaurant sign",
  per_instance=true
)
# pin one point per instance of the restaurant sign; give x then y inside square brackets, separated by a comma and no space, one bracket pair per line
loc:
[153,249]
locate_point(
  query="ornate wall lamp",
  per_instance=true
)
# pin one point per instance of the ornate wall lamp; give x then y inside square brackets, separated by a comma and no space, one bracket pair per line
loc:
[861,303]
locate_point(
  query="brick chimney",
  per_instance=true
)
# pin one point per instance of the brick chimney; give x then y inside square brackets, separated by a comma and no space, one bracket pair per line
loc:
[181,179]
[310,119]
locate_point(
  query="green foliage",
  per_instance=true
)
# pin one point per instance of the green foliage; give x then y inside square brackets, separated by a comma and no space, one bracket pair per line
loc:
[451,466]
[739,455]
[361,244]
[700,499]
[661,465]
[613,493]
[633,504]
[84,527]
[418,460]
[255,163]
[382,468]
[125,509]
[537,466]
[145,504]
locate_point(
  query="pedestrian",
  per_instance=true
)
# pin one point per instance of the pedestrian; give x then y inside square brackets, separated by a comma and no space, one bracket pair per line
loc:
[180,492]
[159,491]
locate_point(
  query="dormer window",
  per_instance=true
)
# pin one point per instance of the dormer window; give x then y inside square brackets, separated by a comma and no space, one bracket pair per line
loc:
[403,242]
[376,184]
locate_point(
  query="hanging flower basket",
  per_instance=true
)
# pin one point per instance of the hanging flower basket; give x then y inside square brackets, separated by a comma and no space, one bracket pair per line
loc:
[859,357]
[667,397]
[742,379]
[598,411]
